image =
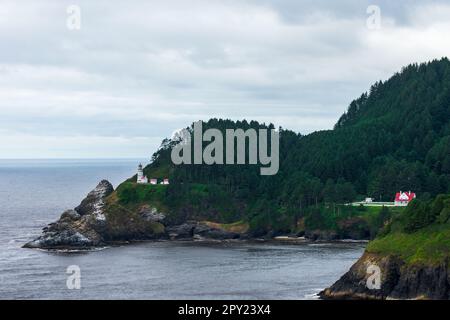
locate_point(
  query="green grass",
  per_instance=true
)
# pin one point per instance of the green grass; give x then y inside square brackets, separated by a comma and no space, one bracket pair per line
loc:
[204,202]
[418,235]
[131,192]
[123,223]
[331,215]
[429,245]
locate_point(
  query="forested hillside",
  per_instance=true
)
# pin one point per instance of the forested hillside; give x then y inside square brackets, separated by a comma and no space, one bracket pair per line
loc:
[394,137]
[412,254]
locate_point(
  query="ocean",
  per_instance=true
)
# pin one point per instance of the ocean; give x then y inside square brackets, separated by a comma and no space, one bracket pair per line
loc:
[34,193]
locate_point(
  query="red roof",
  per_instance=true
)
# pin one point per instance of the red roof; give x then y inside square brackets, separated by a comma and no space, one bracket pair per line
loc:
[405,196]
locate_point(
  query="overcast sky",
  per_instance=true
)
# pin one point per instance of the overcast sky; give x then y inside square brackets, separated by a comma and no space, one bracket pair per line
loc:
[138,70]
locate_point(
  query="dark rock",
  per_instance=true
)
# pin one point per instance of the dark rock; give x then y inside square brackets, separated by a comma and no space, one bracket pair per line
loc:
[80,227]
[93,203]
[205,231]
[398,280]
[70,215]
[322,235]
[300,234]
[183,231]
[63,239]
[355,228]
[151,214]
[428,282]
[197,230]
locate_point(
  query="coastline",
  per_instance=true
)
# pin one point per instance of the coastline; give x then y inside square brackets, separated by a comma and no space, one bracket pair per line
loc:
[96,222]
[286,240]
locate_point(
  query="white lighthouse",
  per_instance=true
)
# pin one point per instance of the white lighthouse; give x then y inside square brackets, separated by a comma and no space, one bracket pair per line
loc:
[140,175]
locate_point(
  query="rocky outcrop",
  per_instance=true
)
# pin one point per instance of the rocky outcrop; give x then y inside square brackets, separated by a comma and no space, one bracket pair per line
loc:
[321,235]
[355,228]
[94,204]
[398,280]
[94,223]
[79,228]
[151,214]
[63,239]
[199,231]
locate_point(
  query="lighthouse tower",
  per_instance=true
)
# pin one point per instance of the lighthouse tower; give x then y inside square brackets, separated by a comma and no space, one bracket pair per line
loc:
[140,175]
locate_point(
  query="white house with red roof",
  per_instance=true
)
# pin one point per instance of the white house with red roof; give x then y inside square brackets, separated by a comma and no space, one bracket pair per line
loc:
[403,198]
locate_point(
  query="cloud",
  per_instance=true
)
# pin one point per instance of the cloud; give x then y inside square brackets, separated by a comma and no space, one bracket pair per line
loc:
[138,70]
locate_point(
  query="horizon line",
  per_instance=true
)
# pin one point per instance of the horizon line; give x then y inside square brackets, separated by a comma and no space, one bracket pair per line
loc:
[61,158]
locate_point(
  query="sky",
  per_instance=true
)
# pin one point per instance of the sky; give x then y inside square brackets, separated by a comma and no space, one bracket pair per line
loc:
[115,80]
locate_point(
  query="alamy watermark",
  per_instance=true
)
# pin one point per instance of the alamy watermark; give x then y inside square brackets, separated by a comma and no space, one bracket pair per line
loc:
[235,148]
[73,281]
[373,22]
[373,281]
[73,21]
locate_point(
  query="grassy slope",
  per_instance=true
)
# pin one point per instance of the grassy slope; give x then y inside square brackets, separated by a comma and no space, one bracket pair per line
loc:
[341,218]
[421,234]
[212,205]
[124,222]
[189,201]
[429,245]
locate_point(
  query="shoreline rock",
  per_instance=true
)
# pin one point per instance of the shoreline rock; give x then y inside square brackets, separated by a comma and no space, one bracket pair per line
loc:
[88,226]
[94,223]
[78,228]
[193,230]
[399,280]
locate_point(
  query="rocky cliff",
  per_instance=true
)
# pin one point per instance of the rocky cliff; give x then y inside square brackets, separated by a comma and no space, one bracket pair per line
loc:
[399,280]
[81,227]
[99,220]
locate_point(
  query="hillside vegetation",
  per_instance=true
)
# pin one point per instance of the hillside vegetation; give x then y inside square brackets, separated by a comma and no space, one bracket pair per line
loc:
[394,137]
[420,234]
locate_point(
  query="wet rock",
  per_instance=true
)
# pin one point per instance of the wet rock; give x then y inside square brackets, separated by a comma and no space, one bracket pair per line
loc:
[151,214]
[321,235]
[399,280]
[80,227]
[70,215]
[180,232]
[64,239]
[94,201]
[198,230]
[205,231]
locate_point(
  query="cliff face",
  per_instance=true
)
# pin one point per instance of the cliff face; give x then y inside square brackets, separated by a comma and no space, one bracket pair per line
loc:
[411,254]
[99,220]
[399,280]
[81,227]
